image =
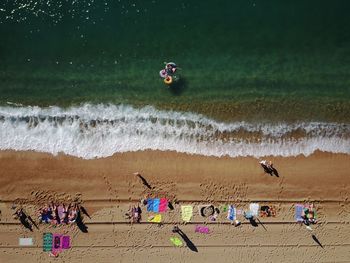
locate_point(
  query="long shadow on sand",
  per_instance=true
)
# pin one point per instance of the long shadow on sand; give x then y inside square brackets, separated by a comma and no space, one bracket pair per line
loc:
[188,242]
[83,228]
[316,240]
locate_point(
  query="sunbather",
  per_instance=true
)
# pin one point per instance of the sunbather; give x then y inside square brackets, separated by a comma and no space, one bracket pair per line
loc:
[73,213]
[62,212]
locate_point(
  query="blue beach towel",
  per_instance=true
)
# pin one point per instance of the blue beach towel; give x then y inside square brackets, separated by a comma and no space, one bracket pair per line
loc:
[231,214]
[298,212]
[156,203]
[149,204]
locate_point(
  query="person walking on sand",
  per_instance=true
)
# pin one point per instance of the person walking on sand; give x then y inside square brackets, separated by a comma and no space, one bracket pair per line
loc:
[144,181]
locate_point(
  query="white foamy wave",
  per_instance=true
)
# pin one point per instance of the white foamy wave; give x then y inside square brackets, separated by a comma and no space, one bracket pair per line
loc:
[91,131]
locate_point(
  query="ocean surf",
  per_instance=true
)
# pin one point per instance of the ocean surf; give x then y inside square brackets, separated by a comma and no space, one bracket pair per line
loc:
[95,131]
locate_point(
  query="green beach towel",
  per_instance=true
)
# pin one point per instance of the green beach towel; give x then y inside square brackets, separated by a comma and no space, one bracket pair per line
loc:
[47,242]
[176,241]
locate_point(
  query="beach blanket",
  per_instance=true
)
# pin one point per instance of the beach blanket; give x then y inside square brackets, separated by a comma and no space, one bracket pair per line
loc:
[254,209]
[157,205]
[176,241]
[150,204]
[56,243]
[298,212]
[201,229]
[65,242]
[231,213]
[155,219]
[186,212]
[47,242]
[163,205]
[25,241]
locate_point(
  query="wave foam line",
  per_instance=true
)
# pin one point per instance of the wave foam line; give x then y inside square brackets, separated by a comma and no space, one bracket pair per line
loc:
[95,131]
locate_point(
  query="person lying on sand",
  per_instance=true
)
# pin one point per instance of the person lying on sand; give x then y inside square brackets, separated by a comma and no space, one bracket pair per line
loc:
[73,213]
[45,214]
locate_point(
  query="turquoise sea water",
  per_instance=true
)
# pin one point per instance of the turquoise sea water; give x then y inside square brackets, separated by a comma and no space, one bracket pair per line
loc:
[257,77]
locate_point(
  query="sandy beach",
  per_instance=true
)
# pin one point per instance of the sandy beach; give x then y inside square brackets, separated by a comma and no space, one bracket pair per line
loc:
[107,187]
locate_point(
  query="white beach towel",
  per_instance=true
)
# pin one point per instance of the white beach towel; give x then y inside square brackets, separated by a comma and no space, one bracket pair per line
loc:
[26,241]
[254,208]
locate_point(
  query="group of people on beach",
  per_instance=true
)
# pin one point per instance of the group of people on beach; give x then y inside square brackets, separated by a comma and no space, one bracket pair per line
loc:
[168,73]
[56,214]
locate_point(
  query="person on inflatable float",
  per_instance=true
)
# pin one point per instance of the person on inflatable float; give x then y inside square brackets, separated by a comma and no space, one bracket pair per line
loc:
[168,72]
[170,68]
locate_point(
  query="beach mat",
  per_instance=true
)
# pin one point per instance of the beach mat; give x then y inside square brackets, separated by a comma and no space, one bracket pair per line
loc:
[47,242]
[163,205]
[155,219]
[186,212]
[150,205]
[298,212]
[254,209]
[25,241]
[56,243]
[156,202]
[176,241]
[65,242]
[201,229]
[231,213]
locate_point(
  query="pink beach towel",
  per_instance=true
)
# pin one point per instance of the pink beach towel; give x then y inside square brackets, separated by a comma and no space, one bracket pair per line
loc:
[163,205]
[202,229]
[56,243]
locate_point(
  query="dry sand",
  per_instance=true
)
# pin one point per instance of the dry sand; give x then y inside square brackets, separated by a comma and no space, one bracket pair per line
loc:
[106,187]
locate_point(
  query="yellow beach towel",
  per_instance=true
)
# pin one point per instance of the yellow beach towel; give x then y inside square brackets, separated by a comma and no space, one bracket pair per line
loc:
[155,219]
[186,212]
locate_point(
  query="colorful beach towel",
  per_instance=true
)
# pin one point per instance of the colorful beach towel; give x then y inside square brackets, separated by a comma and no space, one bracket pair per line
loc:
[176,241]
[201,229]
[298,212]
[47,242]
[254,209]
[157,205]
[155,219]
[56,243]
[25,241]
[186,212]
[231,214]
